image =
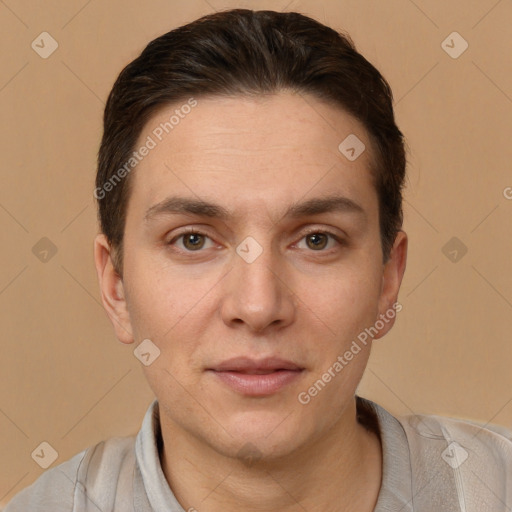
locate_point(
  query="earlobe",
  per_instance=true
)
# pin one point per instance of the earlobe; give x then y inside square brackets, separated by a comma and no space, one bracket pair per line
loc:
[112,289]
[393,273]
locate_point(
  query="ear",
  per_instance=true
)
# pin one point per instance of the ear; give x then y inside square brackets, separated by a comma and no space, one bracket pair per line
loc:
[112,289]
[392,276]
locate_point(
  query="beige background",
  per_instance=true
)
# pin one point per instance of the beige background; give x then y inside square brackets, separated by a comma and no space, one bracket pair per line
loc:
[67,380]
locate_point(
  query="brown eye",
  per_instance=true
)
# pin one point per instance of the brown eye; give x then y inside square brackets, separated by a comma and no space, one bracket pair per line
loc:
[193,241]
[318,241]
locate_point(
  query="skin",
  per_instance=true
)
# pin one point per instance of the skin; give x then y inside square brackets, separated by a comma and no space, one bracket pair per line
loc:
[298,300]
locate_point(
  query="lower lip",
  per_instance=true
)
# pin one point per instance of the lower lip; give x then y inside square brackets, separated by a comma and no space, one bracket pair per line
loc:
[258,385]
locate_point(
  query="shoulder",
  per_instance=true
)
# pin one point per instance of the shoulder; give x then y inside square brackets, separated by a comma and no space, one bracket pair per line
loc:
[53,490]
[440,441]
[73,482]
[430,426]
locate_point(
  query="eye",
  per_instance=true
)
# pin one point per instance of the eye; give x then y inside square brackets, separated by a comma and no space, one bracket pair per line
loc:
[193,240]
[319,240]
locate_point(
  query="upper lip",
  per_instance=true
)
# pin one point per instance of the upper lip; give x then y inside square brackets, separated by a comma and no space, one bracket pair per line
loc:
[246,364]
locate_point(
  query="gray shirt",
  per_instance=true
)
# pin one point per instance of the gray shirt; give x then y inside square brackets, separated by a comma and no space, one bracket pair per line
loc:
[430,463]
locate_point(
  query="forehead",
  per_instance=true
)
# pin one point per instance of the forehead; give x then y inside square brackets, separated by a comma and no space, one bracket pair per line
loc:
[252,151]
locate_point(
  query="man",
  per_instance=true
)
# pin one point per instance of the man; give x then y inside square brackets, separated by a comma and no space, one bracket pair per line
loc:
[249,188]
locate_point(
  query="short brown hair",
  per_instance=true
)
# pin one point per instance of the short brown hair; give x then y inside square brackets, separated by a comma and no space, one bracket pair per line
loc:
[244,52]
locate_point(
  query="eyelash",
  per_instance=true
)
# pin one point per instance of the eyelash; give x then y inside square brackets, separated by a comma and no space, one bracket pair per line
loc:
[311,231]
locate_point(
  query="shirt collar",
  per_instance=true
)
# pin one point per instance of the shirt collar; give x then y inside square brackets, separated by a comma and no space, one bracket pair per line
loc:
[396,488]
[152,490]
[149,479]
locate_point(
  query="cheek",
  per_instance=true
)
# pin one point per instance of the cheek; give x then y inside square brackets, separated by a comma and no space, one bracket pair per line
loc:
[174,310]
[168,309]
[343,303]
[160,296]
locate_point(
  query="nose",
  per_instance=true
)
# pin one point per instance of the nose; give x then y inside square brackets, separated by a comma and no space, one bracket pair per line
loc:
[258,295]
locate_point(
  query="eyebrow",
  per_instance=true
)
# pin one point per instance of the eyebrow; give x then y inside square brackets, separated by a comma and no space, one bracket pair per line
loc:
[199,207]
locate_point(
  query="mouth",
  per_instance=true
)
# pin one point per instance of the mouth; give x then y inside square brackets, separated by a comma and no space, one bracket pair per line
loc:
[251,366]
[253,377]
[259,371]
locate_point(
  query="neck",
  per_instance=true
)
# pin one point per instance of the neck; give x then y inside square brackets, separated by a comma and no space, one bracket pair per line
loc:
[340,471]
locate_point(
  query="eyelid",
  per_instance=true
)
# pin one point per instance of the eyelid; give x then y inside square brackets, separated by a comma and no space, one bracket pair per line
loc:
[186,231]
[340,240]
[319,229]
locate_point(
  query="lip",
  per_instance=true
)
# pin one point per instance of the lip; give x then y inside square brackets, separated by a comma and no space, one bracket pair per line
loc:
[253,377]
[248,365]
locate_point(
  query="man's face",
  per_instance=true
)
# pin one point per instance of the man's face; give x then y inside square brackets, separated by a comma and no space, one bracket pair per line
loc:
[261,282]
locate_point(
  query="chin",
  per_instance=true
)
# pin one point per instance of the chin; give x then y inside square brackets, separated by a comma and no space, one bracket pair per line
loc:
[269,433]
